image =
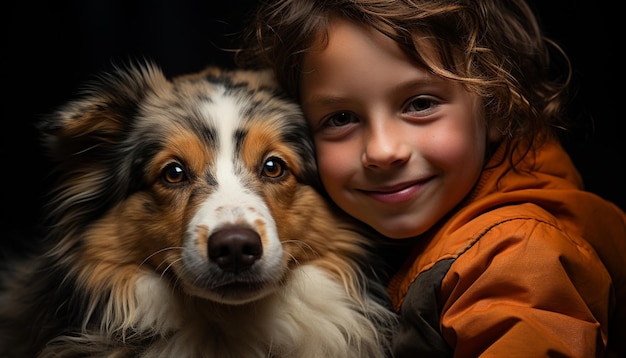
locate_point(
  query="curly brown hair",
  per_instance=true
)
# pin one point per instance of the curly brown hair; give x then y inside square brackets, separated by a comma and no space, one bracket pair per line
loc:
[494,47]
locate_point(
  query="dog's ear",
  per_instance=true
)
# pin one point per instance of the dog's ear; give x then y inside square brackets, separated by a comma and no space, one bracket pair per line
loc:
[100,116]
[88,142]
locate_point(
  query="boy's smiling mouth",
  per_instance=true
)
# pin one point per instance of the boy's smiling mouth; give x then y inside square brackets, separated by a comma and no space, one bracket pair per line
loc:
[398,193]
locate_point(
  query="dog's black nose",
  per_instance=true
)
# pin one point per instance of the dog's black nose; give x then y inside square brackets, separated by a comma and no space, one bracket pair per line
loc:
[235,249]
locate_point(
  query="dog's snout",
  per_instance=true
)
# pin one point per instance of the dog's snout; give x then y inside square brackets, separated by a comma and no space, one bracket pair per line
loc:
[235,249]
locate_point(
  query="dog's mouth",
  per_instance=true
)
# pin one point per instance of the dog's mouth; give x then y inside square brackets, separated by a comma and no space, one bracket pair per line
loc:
[239,289]
[234,292]
[235,283]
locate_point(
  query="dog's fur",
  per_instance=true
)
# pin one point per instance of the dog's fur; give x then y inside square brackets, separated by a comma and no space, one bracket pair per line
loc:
[186,224]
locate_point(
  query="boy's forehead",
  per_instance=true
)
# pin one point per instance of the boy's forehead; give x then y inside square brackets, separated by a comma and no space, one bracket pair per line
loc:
[342,35]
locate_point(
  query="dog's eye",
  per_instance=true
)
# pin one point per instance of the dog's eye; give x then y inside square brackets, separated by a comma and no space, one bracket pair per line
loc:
[174,173]
[273,168]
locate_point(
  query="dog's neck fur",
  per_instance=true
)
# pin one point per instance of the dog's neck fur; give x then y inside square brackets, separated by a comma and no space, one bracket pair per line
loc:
[311,316]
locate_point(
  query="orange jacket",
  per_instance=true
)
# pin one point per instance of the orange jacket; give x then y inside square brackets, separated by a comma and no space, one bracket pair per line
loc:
[529,266]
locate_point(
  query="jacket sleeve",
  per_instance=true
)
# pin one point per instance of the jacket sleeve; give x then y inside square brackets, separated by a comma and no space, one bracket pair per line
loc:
[527,289]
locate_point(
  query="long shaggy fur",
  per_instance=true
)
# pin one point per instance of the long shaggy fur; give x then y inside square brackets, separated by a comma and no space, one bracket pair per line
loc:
[185,224]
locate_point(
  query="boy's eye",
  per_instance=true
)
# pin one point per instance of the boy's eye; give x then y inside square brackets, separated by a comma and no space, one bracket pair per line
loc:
[421,104]
[341,119]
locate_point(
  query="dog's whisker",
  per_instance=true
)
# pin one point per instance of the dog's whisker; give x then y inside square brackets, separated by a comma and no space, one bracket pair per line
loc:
[300,242]
[305,246]
[169,266]
[158,252]
[294,259]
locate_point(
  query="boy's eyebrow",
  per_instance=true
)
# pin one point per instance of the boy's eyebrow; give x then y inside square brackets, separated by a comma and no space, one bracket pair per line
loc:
[426,80]
[326,99]
[323,100]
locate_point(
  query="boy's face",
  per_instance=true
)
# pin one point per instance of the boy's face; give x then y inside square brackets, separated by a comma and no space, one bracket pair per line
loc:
[397,147]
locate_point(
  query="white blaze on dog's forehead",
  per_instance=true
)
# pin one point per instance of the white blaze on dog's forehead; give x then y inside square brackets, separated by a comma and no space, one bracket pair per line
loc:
[224,114]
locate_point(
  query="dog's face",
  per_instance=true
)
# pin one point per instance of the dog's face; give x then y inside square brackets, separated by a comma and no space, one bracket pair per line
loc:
[199,179]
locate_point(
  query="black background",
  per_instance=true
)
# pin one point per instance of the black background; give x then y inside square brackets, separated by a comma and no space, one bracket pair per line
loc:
[50,48]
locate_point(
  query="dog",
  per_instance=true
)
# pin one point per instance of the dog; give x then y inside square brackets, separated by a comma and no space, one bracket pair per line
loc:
[188,221]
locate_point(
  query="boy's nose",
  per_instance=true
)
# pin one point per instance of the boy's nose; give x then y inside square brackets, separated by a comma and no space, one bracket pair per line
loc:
[384,148]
